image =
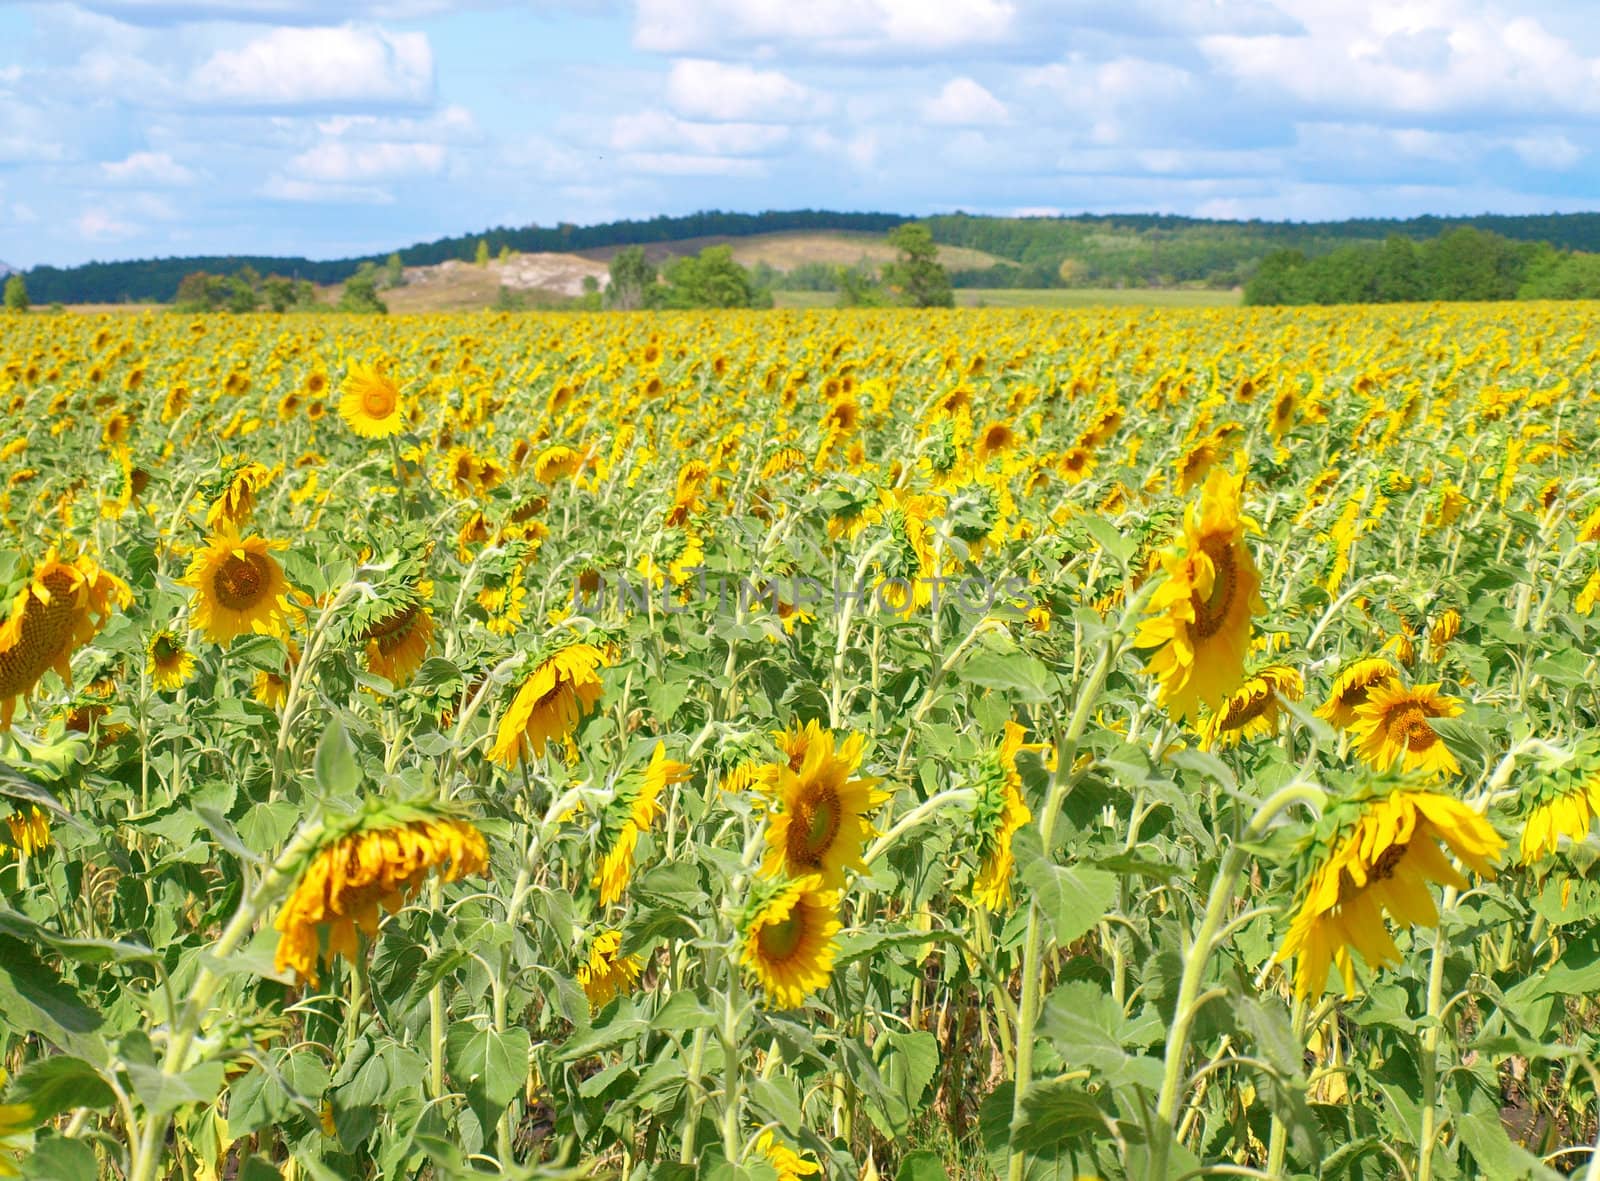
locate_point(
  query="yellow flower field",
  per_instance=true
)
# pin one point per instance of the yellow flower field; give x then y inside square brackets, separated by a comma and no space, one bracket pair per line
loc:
[991,744]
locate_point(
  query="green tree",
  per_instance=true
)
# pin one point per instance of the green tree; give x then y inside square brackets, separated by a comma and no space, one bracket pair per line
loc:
[712,279]
[394,272]
[16,293]
[633,280]
[916,277]
[481,257]
[1399,276]
[361,293]
[859,288]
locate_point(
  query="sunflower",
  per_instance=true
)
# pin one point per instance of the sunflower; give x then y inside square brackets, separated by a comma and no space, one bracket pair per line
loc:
[1254,708]
[238,587]
[271,688]
[397,644]
[61,608]
[636,807]
[1351,687]
[557,463]
[379,862]
[608,973]
[30,831]
[562,690]
[1199,619]
[170,663]
[998,816]
[1441,631]
[789,940]
[1076,464]
[1383,861]
[1564,809]
[821,823]
[236,499]
[1393,727]
[369,402]
[785,1161]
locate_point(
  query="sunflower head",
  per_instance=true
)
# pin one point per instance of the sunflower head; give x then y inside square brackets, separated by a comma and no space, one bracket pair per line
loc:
[1352,687]
[1375,854]
[564,688]
[607,973]
[789,932]
[239,587]
[1561,802]
[370,403]
[820,817]
[1394,727]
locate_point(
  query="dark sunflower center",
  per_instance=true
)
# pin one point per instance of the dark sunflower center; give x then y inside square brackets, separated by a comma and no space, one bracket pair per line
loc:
[1410,728]
[815,825]
[779,941]
[166,650]
[241,582]
[1210,612]
[1383,868]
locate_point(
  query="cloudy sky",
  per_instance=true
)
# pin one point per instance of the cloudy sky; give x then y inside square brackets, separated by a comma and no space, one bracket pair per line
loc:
[132,128]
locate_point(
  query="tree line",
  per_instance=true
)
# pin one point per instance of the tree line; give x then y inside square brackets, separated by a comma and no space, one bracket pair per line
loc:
[1115,250]
[1462,264]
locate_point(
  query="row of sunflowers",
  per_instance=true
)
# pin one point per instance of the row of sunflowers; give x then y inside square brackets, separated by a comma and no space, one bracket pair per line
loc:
[1106,743]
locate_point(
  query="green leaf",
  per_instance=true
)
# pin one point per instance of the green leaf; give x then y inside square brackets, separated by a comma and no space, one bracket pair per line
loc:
[489,1066]
[922,1165]
[33,996]
[335,769]
[58,1084]
[1014,673]
[683,1010]
[55,1158]
[1073,900]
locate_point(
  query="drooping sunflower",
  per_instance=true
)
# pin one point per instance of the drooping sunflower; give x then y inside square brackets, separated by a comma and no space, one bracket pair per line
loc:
[62,606]
[789,940]
[1441,631]
[608,973]
[562,690]
[785,1161]
[636,807]
[170,663]
[1392,727]
[376,864]
[30,831]
[1199,619]
[370,403]
[1382,860]
[821,819]
[238,587]
[555,463]
[235,496]
[397,644]
[1254,708]
[1352,686]
[1564,807]
[999,814]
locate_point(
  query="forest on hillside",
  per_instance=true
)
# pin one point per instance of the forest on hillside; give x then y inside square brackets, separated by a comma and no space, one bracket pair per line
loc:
[1274,261]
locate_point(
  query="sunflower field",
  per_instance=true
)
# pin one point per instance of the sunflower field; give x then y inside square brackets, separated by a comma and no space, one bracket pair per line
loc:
[997,744]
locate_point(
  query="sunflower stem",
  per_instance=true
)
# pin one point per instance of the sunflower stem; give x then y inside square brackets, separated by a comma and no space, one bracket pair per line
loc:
[1061,782]
[1428,1133]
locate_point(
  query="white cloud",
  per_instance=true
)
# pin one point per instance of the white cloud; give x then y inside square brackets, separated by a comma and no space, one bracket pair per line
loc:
[964,103]
[685,164]
[843,27]
[337,162]
[453,124]
[1428,57]
[657,131]
[99,225]
[1551,151]
[292,67]
[148,168]
[712,90]
[280,188]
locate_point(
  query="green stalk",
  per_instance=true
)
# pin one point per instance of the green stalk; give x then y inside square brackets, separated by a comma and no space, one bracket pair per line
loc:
[1428,1133]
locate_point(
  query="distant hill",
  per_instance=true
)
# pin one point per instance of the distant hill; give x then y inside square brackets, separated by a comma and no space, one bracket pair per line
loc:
[1110,250]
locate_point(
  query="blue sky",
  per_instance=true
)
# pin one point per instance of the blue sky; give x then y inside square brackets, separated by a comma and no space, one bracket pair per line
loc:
[138,128]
